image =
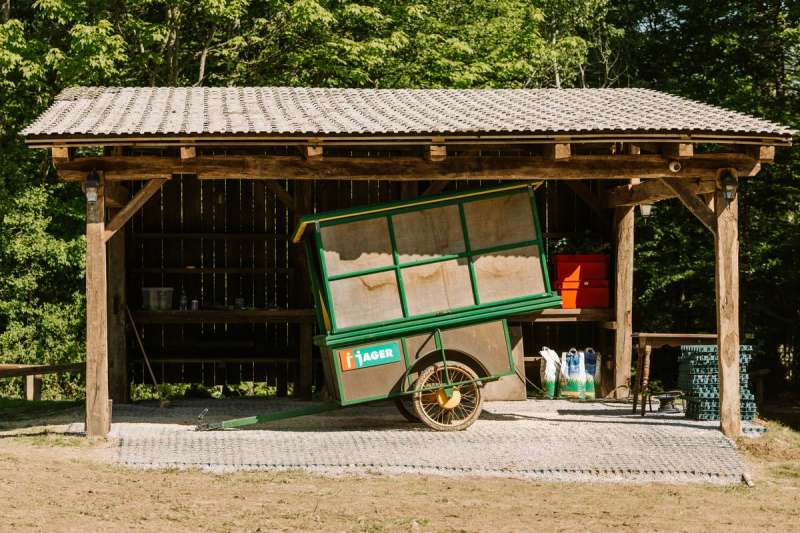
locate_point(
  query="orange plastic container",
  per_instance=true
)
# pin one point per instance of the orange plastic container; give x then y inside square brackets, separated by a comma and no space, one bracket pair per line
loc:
[584,294]
[581,267]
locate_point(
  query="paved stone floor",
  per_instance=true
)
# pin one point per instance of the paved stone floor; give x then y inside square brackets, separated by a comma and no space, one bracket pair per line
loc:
[538,439]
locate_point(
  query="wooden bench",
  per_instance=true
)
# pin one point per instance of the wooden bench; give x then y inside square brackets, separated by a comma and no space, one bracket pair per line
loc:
[33,375]
[645,342]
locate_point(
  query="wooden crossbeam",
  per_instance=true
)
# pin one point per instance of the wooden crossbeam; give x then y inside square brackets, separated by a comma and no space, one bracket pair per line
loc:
[693,203]
[589,198]
[652,191]
[313,152]
[677,150]
[436,152]
[435,187]
[124,214]
[116,194]
[579,167]
[761,153]
[281,194]
[60,153]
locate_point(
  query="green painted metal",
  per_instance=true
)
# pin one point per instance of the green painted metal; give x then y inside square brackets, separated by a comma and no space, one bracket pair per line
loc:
[271,417]
[397,273]
[473,279]
[414,327]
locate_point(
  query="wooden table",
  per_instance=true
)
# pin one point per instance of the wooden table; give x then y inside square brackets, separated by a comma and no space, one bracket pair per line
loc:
[645,342]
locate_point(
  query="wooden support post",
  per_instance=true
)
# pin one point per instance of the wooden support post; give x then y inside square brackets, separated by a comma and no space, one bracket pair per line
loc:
[306,360]
[726,248]
[118,385]
[33,387]
[97,416]
[623,223]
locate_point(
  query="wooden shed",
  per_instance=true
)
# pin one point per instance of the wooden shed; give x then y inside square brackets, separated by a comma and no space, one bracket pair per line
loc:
[199,189]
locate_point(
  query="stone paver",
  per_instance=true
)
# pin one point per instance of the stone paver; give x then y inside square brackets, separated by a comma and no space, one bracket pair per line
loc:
[548,440]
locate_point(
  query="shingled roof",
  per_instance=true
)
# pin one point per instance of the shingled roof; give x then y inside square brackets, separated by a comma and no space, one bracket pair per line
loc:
[93,113]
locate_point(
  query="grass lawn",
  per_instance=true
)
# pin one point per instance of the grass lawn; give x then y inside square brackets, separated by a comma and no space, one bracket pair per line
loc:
[14,411]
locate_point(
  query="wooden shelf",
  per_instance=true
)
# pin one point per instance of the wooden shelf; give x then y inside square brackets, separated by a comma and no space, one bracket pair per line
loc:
[212,270]
[224,316]
[569,315]
[211,236]
[221,360]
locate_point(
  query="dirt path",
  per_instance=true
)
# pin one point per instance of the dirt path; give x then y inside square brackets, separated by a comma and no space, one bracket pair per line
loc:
[58,483]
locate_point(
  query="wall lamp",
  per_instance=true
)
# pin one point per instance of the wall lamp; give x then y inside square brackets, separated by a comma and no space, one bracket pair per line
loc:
[646,210]
[729,185]
[92,187]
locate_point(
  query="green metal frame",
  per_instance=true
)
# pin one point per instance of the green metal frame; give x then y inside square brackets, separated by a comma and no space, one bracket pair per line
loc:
[477,312]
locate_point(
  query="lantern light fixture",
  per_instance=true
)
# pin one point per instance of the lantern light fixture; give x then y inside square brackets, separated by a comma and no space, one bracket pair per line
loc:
[730,185]
[646,210]
[92,187]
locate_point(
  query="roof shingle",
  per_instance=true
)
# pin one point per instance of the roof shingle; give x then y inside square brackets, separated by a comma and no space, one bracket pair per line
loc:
[287,111]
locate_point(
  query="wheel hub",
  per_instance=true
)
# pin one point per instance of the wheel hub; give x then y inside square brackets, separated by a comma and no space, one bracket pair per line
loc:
[448,402]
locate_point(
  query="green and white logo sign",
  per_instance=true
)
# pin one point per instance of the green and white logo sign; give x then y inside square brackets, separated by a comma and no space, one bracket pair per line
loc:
[366,356]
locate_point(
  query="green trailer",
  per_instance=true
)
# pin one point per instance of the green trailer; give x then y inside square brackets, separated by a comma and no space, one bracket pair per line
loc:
[411,298]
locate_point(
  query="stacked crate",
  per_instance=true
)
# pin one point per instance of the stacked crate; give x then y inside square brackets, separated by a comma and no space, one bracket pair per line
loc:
[698,377]
[582,281]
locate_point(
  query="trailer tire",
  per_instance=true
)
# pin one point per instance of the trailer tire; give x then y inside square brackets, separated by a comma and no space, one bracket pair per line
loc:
[431,406]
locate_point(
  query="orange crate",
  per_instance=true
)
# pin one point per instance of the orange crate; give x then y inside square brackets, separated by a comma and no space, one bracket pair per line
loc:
[584,294]
[580,267]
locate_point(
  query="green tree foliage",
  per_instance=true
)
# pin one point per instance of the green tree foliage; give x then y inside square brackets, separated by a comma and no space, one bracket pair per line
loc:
[742,55]
[738,54]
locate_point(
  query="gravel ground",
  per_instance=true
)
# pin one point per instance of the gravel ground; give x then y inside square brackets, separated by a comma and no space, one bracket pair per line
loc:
[536,439]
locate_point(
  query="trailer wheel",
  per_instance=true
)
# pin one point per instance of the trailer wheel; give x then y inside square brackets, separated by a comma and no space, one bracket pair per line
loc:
[405,405]
[441,411]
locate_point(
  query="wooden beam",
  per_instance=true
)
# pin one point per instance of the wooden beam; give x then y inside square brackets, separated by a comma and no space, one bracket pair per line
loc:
[677,150]
[435,187]
[762,153]
[60,153]
[632,149]
[285,198]
[588,197]
[652,191]
[118,385]
[12,371]
[313,152]
[97,415]
[436,152]
[726,248]
[188,152]
[623,344]
[136,203]
[579,167]
[117,194]
[693,203]
[557,151]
